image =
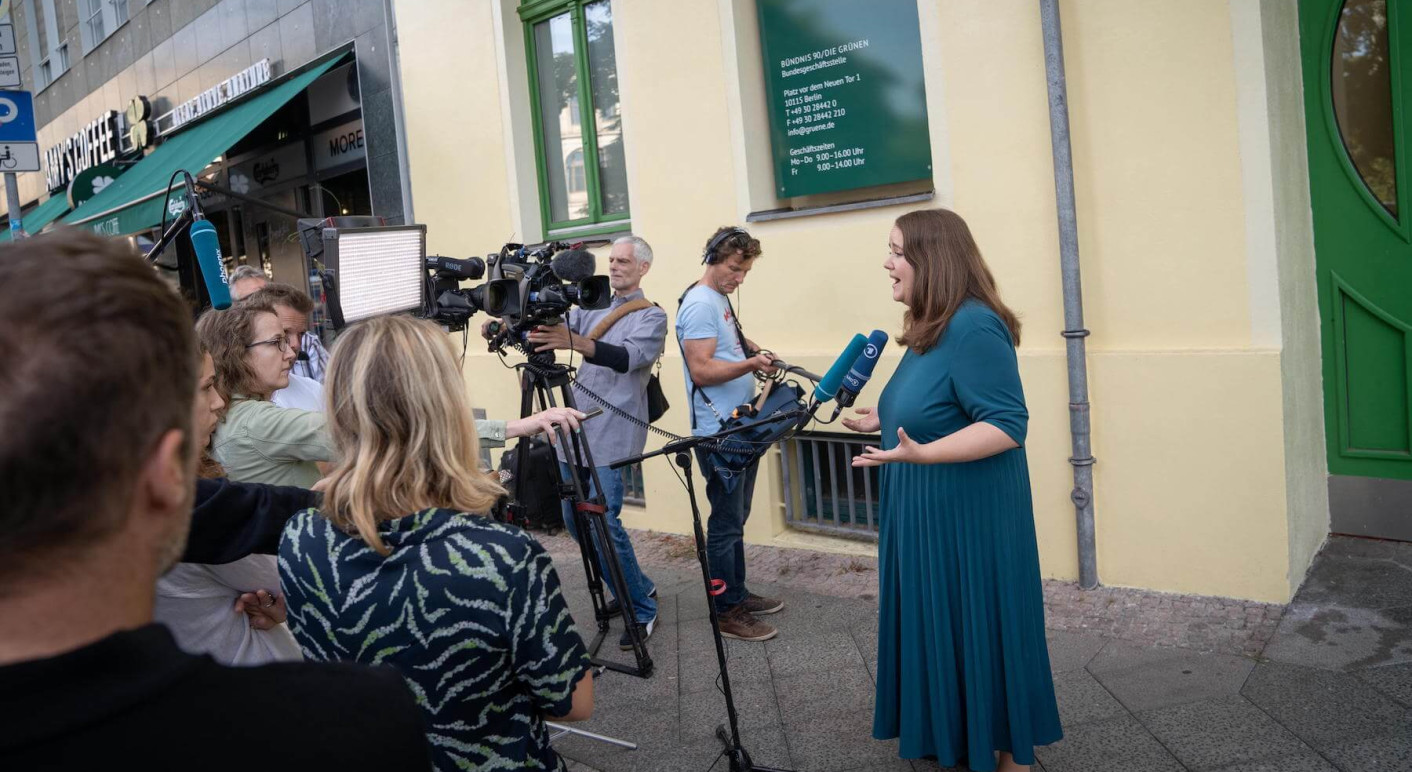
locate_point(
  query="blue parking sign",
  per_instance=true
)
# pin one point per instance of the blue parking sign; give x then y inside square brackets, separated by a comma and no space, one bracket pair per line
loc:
[17,116]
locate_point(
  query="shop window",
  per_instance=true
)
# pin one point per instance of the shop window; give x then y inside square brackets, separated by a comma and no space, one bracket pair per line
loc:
[578,127]
[100,18]
[49,52]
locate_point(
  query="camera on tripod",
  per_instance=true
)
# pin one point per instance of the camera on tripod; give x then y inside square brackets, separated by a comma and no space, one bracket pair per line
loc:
[528,286]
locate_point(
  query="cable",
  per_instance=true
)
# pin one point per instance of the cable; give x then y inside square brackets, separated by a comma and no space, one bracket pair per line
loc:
[331,195]
[729,445]
[166,197]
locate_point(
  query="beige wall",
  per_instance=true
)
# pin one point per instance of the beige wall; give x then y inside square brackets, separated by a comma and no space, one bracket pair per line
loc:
[1191,408]
[1292,237]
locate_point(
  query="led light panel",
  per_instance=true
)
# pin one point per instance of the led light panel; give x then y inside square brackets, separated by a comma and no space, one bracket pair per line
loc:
[380,271]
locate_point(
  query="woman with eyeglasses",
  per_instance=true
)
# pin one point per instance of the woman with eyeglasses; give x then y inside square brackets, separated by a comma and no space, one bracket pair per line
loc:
[234,611]
[257,440]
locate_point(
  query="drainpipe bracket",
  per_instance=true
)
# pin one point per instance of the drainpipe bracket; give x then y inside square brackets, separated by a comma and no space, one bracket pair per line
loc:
[1079,333]
[1080,497]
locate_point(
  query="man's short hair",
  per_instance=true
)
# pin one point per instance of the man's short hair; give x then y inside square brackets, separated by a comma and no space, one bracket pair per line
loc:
[247,272]
[274,294]
[742,242]
[86,390]
[640,248]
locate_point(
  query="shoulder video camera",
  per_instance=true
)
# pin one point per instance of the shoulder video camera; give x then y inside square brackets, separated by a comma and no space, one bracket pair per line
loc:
[528,286]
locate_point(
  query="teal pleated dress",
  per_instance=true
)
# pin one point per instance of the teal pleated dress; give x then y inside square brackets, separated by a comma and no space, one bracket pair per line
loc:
[963,668]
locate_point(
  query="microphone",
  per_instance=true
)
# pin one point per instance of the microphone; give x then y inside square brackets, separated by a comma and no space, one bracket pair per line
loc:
[828,385]
[207,247]
[574,265]
[862,369]
[208,255]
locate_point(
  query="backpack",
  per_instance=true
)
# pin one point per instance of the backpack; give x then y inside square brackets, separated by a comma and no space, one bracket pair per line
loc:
[537,489]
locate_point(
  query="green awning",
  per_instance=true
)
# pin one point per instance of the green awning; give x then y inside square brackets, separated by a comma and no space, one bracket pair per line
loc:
[135,201]
[41,215]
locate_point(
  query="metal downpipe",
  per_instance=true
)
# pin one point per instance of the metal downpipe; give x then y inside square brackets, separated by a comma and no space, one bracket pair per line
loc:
[1074,332]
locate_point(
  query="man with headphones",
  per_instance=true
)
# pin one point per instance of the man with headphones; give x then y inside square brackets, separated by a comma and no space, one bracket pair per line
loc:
[719,364]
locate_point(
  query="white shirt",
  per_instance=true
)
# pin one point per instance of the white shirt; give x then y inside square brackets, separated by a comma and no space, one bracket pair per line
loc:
[197,603]
[302,393]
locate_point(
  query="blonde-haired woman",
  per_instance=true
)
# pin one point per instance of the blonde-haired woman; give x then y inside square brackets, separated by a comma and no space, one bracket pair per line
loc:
[399,568]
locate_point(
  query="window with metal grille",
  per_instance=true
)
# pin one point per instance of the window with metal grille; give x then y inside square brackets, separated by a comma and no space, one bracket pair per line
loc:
[634,489]
[822,490]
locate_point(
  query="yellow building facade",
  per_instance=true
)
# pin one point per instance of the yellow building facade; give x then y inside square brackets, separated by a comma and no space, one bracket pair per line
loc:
[1196,245]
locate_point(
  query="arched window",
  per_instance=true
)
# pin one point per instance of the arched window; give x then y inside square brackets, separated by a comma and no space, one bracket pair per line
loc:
[578,183]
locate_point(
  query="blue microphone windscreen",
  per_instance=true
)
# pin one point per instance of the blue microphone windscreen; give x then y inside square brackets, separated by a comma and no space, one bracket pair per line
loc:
[828,385]
[208,255]
[863,368]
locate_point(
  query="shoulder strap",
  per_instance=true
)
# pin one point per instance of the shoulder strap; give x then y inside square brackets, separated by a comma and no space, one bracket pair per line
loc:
[682,298]
[616,314]
[739,333]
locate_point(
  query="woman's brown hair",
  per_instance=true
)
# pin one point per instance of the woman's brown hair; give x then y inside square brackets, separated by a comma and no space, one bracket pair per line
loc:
[207,467]
[948,271]
[225,334]
[403,434]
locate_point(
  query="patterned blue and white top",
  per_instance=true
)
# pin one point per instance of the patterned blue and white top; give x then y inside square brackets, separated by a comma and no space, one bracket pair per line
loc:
[470,610]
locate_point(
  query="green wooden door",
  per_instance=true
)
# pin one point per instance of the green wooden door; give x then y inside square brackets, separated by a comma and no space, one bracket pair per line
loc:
[1357,57]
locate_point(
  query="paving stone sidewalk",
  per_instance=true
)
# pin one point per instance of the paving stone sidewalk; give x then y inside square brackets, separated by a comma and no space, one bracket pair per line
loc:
[1146,681]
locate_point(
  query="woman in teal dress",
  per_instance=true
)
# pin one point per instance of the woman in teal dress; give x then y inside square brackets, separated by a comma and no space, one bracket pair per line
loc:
[963,669]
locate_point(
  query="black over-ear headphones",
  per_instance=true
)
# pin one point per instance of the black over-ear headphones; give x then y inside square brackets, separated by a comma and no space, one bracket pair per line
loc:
[709,257]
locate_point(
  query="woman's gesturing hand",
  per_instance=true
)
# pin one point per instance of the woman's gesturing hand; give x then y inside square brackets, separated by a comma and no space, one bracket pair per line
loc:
[867,421]
[544,421]
[906,452]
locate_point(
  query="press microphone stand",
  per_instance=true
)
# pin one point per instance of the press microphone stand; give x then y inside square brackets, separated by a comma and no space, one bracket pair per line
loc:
[188,215]
[789,368]
[681,455]
[183,221]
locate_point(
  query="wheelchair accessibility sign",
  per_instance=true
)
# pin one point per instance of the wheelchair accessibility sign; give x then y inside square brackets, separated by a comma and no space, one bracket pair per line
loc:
[19,152]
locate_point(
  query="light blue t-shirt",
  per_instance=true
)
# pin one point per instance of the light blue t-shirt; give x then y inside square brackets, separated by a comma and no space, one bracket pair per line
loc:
[705,313]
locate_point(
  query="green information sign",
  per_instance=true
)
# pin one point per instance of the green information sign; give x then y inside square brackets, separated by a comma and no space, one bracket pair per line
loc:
[847,99]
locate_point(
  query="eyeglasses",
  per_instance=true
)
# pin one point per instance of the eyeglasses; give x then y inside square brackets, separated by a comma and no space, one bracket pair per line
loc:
[282,342]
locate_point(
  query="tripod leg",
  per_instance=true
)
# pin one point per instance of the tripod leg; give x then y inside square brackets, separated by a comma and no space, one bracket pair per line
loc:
[560,730]
[594,509]
[571,492]
[586,514]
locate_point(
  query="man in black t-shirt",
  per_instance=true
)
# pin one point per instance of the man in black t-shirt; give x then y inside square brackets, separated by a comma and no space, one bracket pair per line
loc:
[97,468]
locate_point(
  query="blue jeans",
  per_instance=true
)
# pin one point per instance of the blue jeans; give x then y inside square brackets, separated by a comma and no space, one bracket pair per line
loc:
[725,528]
[639,586]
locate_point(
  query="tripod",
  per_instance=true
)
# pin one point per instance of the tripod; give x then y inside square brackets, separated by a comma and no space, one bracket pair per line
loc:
[681,456]
[541,376]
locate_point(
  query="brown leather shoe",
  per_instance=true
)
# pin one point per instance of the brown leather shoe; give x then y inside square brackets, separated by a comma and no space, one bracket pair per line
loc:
[757,604]
[743,626]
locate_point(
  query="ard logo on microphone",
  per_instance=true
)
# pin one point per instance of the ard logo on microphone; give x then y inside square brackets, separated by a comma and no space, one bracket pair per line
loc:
[871,351]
